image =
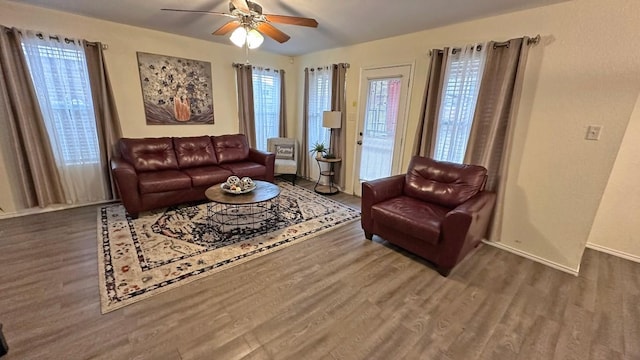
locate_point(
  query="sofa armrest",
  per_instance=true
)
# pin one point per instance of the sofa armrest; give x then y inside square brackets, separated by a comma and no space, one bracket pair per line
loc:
[465,226]
[126,180]
[264,158]
[376,191]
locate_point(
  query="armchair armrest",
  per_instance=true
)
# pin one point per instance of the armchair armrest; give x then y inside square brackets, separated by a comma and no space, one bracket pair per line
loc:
[264,158]
[465,226]
[377,191]
[126,180]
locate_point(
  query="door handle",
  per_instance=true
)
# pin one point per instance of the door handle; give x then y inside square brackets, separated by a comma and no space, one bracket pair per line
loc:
[359,142]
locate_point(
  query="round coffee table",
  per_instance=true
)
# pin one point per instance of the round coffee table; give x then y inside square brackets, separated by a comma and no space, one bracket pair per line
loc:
[249,210]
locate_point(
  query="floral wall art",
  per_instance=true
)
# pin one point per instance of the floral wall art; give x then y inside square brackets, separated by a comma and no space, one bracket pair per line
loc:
[175,90]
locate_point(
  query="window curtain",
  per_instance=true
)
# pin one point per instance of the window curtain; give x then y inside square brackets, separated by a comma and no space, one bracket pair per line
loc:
[425,139]
[246,112]
[35,166]
[462,77]
[282,128]
[304,159]
[339,103]
[67,109]
[493,124]
[106,114]
[266,100]
[317,100]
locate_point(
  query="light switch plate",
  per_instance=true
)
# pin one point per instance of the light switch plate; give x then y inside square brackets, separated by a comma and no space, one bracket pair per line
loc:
[593,132]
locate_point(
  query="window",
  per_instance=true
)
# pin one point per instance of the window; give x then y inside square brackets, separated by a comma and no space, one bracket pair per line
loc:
[60,77]
[460,93]
[319,102]
[61,81]
[266,100]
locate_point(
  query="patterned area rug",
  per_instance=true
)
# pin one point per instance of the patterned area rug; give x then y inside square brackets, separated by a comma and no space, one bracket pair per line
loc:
[164,249]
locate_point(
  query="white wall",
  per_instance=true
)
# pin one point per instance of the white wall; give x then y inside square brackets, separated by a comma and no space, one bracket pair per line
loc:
[586,71]
[124,41]
[616,228]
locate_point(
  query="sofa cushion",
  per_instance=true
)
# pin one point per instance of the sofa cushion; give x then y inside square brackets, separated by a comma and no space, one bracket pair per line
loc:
[207,175]
[161,181]
[443,183]
[411,216]
[246,168]
[231,148]
[149,154]
[194,151]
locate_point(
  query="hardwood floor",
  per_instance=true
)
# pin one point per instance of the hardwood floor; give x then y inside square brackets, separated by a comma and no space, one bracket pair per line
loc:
[337,296]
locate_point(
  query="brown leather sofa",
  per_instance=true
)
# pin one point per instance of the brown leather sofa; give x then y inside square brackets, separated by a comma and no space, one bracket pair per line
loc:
[437,210]
[152,173]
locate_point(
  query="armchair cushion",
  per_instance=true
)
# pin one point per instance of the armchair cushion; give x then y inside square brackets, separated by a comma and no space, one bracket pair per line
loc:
[443,183]
[412,216]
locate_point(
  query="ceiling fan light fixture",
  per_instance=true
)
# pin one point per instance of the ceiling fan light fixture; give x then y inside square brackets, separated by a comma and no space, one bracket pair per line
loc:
[254,39]
[239,36]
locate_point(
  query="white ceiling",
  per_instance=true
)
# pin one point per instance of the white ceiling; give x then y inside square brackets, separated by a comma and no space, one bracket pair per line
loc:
[342,22]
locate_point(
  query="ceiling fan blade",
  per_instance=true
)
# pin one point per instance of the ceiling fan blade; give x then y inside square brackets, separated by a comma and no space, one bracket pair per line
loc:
[200,11]
[241,5]
[272,32]
[291,20]
[227,28]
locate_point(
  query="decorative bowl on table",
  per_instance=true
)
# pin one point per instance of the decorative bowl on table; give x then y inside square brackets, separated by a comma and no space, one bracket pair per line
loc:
[235,185]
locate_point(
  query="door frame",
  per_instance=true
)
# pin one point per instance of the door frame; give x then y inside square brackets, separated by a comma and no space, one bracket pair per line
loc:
[359,116]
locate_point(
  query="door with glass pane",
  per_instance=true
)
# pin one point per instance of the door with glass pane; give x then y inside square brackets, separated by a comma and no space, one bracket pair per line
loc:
[381,123]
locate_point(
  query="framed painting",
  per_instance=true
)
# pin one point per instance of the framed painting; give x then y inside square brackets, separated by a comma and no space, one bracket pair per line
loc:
[175,90]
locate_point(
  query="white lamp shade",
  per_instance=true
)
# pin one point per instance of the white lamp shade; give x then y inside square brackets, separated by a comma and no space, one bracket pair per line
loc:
[254,39]
[239,36]
[332,119]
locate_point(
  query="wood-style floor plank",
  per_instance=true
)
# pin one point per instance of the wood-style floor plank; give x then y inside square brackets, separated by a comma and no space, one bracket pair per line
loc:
[336,296]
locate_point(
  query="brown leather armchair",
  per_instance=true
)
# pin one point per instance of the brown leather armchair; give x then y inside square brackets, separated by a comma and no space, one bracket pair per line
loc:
[437,210]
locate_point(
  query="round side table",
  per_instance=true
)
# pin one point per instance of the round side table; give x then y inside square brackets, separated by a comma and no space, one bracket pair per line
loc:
[331,188]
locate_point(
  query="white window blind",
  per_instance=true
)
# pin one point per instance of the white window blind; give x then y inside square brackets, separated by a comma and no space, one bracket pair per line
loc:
[62,85]
[266,104]
[463,74]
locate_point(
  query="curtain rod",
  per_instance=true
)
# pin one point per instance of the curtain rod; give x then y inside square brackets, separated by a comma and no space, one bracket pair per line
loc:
[346,66]
[237,65]
[55,37]
[531,42]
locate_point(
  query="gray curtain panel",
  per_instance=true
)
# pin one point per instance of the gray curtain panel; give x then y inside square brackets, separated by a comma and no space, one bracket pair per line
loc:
[493,123]
[304,163]
[339,103]
[104,106]
[282,131]
[425,140]
[35,165]
[246,113]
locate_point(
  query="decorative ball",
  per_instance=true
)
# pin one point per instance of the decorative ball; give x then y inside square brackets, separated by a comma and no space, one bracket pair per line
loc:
[247,183]
[233,180]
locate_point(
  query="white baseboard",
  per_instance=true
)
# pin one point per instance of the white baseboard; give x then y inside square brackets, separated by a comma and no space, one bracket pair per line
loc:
[50,208]
[535,258]
[618,253]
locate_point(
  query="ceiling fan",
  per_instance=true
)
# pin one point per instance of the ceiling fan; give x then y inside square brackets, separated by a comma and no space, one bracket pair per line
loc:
[249,23]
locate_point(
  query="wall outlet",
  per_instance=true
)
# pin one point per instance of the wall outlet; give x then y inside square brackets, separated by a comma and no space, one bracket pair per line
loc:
[593,132]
